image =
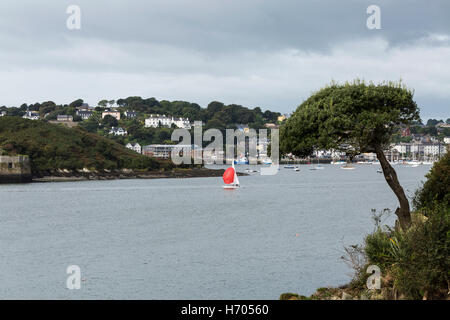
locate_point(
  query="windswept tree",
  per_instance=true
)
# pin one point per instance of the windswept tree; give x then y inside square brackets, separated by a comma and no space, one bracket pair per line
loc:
[354,118]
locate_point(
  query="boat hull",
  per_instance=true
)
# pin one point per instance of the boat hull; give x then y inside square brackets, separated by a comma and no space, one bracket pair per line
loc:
[231,187]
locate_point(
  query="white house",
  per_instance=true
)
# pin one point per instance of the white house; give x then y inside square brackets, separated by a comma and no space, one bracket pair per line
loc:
[119,131]
[447,140]
[131,114]
[135,147]
[84,114]
[182,123]
[156,120]
[2,113]
[32,115]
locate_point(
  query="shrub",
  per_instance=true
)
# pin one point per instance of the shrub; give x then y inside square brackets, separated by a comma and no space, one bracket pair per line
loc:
[378,248]
[436,190]
[423,265]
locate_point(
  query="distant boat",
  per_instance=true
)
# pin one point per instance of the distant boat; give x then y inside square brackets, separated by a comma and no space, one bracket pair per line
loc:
[348,167]
[338,162]
[289,167]
[267,161]
[297,169]
[230,178]
[413,163]
[242,160]
[379,171]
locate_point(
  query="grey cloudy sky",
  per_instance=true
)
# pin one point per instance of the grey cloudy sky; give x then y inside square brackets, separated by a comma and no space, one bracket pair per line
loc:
[271,54]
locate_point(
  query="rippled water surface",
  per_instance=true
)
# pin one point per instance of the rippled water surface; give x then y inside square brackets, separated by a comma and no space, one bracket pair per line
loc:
[189,238]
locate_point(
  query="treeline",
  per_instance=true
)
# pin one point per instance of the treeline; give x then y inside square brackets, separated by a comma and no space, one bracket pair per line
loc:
[49,109]
[53,147]
[215,115]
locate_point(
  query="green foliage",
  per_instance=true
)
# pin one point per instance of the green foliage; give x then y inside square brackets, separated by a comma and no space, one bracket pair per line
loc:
[109,121]
[436,190]
[422,266]
[90,125]
[433,122]
[75,104]
[292,296]
[52,147]
[353,117]
[415,262]
[216,115]
[378,248]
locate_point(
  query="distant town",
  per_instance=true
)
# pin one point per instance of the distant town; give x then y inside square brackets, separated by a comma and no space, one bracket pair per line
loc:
[132,123]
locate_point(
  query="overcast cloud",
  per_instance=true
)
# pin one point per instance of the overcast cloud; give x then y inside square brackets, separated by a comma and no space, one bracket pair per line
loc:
[271,54]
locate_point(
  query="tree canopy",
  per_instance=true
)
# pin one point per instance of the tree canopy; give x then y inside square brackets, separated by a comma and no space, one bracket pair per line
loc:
[353,117]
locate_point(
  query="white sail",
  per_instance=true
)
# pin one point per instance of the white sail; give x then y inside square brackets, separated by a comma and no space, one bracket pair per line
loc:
[235,180]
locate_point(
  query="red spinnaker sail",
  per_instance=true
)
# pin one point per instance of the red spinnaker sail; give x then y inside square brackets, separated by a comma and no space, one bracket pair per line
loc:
[228,176]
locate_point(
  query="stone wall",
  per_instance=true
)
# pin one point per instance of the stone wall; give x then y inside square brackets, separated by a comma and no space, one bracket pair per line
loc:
[15,169]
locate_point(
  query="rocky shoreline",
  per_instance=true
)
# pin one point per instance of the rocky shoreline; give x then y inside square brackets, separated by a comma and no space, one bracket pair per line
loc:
[85,175]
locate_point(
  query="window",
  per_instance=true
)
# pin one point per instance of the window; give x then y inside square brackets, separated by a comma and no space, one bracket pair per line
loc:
[10,165]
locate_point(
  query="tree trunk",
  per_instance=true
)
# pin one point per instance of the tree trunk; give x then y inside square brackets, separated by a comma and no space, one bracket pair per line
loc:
[403,212]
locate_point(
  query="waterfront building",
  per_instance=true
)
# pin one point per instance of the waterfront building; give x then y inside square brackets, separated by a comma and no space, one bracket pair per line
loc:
[2,113]
[434,149]
[164,150]
[15,169]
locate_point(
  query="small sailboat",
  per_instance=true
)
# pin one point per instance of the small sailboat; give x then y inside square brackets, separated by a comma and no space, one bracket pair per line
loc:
[230,178]
[317,167]
[348,166]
